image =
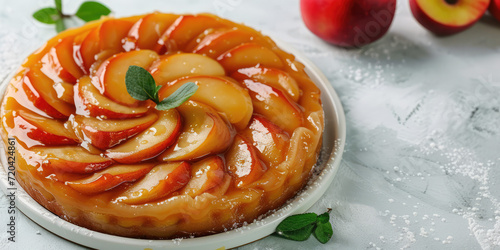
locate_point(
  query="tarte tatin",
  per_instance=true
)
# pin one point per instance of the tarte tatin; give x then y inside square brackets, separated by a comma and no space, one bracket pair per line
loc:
[241,146]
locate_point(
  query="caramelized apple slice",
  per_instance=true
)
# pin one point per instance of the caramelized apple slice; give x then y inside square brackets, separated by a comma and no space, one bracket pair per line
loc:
[179,65]
[40,91]
[88,49]
[110,178]
[204,132]
[270,140]
[275,105]
[151,142]
[105,134]
[41,130]
[65,92]
[273,77]
[183,30]
[242,162]
[146,32]
[89,101]
[161,181]
[249,55]
[219,93]
[72,159]
[205,175]
[213,45]
[112,32]
[110,77]
[60,61]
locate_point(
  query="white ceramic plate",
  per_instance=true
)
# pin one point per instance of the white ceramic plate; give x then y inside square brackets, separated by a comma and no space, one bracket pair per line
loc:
[333,146]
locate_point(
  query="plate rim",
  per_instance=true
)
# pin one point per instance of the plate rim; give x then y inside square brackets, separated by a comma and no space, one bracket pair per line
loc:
[233,238]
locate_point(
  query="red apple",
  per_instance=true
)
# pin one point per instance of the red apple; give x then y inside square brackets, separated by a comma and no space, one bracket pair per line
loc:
[348,23]
[447,17]
[109,178]
[495,9]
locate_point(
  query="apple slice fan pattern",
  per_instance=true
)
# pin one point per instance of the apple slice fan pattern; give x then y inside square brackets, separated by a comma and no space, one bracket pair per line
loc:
[242,145]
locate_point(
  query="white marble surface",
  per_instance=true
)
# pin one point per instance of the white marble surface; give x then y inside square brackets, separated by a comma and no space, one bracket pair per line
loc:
[423,114]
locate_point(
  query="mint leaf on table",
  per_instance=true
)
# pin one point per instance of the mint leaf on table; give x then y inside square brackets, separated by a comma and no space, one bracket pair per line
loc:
[91,10]
[47,15]
[299,227]
[88,11]
[301,234]
[141,86]
[296,222]
[323,231]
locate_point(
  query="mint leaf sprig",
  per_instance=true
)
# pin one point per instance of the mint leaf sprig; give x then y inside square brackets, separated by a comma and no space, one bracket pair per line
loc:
[299,227]
[141,86]
[88,11]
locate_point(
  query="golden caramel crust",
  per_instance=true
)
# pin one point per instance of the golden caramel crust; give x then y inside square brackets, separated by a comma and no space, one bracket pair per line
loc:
[243,145]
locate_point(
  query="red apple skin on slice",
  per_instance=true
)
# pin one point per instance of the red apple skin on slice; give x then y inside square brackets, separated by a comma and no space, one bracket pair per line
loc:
[270,140]
[89,102]
[235,102]
[184,29]
[243,163]
[273,77]
[39,89]
[204,132]
[442,18]
[205,175]
[170,68]
[60,61]
[161,181]
[34,129]
[146,32]
[110,178]
[213,45]
[110,77]
[150,142]
[71,159]
[275,105]
[105,134]
[249,55]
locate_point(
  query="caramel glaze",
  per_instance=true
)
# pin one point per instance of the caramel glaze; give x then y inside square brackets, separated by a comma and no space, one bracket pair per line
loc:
[221,208]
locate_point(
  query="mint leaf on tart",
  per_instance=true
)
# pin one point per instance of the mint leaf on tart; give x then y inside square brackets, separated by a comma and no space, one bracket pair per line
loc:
[141,86]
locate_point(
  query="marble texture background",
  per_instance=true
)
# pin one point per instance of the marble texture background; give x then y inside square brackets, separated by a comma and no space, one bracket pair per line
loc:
[422,159]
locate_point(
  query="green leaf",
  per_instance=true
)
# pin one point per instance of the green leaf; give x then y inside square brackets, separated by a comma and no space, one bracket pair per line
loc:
[140,84]
[60,26]
[177,98]
[323,232]
[58,5]
[297,235]
[324,218]
[91,10]
[297,221]
[47,15]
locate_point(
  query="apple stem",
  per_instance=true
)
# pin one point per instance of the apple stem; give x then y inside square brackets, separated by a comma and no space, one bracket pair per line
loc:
[452,2]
